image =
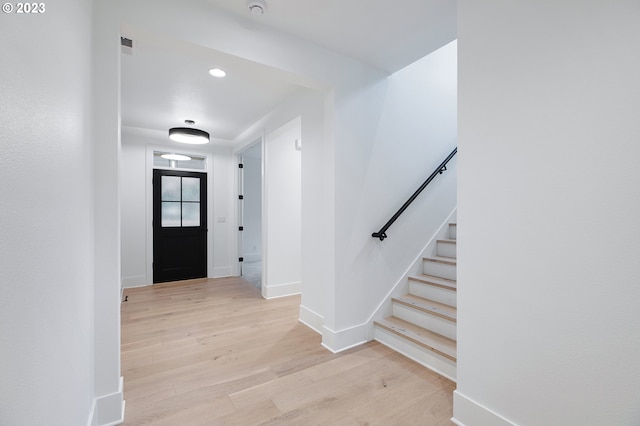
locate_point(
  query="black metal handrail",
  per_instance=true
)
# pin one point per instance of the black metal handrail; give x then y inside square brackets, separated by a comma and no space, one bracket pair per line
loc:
[382,233]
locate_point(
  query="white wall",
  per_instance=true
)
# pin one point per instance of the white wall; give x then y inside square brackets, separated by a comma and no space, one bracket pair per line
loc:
[47,307]
[406,126]
[283,212]
[137,208]
[133,178]
[548,213]
[223,197]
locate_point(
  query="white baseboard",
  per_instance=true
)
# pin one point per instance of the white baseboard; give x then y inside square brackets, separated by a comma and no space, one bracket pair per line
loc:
[311,319]
[347,338]
[108,410]
[281,290]
[134,281]
[467,412]
[222,272]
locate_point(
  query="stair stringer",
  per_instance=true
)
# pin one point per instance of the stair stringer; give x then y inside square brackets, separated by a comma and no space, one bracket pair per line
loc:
[401,287]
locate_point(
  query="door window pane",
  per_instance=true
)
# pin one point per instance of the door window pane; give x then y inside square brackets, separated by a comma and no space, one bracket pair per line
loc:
[170,188]
[180,201]
[190,189]
[170,214]
[190,214]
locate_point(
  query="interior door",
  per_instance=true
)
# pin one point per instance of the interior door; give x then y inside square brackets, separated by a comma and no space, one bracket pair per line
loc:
[179,225]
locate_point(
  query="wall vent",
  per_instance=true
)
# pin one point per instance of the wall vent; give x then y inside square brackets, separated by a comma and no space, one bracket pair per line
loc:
[126,45]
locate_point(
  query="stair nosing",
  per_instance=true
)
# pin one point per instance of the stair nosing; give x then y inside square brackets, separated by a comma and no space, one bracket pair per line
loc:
[441,259]
[428,306]
[448,241]
[446,283]
[439,344]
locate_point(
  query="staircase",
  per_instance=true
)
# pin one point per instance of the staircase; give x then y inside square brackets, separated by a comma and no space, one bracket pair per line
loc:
[423,322]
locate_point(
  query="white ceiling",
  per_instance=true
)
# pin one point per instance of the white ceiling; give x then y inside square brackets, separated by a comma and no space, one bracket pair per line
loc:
[165,82]
[386,34]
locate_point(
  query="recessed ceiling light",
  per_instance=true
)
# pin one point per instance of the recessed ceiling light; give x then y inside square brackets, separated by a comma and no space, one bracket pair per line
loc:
[217,72]
[188,135]
[176,157]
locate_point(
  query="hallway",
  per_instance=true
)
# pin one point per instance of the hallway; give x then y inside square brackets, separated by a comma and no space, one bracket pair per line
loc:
[214,352]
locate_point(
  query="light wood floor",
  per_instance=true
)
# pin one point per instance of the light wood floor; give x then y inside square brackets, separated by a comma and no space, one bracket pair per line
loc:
[213,352]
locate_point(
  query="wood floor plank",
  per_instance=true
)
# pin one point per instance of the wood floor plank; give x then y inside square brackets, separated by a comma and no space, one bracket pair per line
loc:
[214,352]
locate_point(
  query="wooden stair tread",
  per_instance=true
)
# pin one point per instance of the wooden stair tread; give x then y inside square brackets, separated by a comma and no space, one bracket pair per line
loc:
[448,241]
[428,306]
[441,259]
[420,336]
[435,281]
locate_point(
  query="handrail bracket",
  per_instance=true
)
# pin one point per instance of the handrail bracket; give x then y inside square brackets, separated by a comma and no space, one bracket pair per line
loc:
[380,235]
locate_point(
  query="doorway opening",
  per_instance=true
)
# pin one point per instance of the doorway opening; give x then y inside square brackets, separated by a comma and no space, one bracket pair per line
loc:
[250,214]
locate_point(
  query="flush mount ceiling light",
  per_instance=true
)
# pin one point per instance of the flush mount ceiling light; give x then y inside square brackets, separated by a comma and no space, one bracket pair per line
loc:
[257,7]
[176,157]
[188,135]
[217,72]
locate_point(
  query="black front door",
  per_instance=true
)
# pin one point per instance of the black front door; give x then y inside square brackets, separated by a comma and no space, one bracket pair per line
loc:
[179,225]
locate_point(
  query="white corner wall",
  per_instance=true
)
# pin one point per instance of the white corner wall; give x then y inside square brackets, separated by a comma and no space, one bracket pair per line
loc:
[134,215]
[108,406]
[222,198]
[49,366]
[283,212]
[548,212]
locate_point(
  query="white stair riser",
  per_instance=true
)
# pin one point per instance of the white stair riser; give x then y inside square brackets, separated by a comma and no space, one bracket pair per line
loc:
[439,294]
[423,356]
[443,270]
[430,322]
[446,249]
[452,232]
